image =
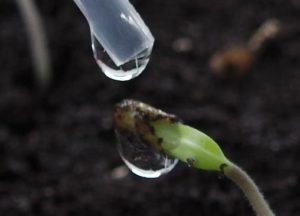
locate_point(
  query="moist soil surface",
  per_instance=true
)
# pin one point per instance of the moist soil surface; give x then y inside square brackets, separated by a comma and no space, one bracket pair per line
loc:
[58,151]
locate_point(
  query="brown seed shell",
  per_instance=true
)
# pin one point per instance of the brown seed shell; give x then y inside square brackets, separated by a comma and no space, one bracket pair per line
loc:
[132,117]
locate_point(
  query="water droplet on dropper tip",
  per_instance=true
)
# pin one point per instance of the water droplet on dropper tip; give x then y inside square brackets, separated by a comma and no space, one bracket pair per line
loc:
[124,72]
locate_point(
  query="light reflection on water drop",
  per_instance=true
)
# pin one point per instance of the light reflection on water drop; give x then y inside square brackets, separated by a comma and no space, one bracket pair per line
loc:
[124,72]
[141,158]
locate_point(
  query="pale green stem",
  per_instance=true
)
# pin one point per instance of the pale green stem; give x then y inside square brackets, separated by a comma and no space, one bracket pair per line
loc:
[250,189]
[37,38]
[269,29]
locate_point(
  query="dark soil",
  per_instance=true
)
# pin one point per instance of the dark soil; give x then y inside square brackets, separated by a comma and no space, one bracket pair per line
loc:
[58,149]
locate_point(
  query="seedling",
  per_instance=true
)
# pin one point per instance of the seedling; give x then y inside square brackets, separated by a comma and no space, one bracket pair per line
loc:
[150,141]
[38,45]
[239,58]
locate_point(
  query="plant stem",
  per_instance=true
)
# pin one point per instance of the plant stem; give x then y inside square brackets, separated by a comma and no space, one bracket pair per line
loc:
[37,38]
[250,189]
[269,29]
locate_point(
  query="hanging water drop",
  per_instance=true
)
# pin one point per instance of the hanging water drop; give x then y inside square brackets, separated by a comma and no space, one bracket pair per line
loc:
[124,72]
[138,145]
[121,41]
[142,159]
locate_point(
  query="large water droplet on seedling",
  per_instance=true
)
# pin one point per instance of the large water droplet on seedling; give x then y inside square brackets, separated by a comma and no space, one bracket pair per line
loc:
[142,159]
[123,72]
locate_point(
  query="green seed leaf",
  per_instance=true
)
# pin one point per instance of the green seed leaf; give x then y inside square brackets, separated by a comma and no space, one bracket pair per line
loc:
[190,145]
